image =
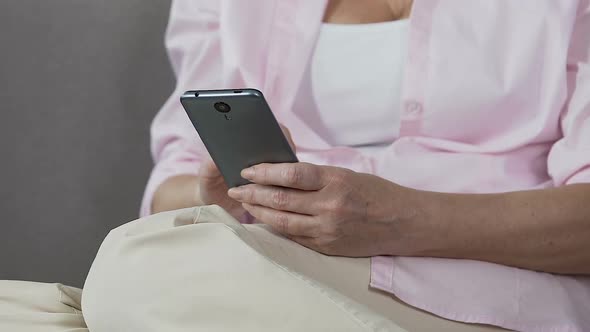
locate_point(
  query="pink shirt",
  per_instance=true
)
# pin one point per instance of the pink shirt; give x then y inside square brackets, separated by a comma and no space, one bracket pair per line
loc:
[496,98]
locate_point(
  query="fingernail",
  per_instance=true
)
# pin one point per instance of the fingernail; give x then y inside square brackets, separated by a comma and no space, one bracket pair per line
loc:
[235,193]
[248,173]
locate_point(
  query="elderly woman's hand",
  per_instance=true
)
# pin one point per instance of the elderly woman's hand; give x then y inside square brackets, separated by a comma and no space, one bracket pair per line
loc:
[331,210]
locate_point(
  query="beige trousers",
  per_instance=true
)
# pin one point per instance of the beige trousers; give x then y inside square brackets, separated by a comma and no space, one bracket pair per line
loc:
[200,270]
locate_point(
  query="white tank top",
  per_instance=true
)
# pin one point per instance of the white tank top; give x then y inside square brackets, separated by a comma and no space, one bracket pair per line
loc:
[351,91]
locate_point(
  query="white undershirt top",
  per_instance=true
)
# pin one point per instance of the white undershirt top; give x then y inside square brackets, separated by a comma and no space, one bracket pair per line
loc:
[351,91]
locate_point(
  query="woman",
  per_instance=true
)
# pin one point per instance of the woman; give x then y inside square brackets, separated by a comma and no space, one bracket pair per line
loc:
[452,148]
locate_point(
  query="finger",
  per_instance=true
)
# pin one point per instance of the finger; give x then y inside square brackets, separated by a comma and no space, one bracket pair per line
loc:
[278,198]
[302,176]
[287,223]
[287,134]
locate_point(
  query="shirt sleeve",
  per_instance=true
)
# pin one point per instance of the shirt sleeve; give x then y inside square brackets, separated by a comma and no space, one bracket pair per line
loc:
[569,158]
[193,45]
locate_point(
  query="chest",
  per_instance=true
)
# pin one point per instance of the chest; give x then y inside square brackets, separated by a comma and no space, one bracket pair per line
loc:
[350,93]
[366,12]
[475,70]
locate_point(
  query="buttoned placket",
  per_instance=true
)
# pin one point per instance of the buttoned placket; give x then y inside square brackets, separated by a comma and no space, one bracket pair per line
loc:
[416,67]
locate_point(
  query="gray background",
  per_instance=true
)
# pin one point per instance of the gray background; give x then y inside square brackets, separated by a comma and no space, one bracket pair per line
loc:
[80,82]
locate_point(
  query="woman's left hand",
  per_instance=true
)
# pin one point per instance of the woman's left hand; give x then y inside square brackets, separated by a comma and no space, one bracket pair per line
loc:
[332,210]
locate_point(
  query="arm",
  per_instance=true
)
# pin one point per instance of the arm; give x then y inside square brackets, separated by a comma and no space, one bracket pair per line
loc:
[176,192]
[192,42]
[339,212]
[544,230]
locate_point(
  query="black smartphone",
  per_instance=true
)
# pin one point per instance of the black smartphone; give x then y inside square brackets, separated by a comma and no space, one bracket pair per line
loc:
[239,130]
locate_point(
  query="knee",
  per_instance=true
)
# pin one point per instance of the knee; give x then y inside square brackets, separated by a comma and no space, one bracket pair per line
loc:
[138,266]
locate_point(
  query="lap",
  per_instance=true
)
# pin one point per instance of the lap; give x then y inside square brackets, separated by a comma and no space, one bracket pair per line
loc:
[39,307]
[350,277]
[171,274]
[200,268]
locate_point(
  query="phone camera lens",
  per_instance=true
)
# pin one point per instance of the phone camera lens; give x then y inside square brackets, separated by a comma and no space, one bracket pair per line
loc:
[222,107]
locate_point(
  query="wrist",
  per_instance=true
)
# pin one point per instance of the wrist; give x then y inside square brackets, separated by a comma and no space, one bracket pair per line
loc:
[442,225]
[418,223]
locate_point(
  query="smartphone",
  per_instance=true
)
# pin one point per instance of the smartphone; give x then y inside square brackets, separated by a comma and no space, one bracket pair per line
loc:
[238,129]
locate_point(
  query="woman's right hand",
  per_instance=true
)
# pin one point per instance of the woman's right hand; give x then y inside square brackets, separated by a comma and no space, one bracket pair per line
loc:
[211,189]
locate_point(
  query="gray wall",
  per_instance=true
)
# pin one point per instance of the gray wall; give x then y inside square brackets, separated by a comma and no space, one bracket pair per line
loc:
[80,82]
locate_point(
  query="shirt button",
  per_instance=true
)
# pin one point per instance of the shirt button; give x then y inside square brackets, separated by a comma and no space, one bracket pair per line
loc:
[413,109]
